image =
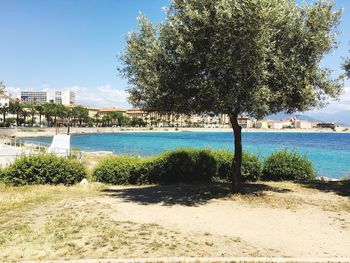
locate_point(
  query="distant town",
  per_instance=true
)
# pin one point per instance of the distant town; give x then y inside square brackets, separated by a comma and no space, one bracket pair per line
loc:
[113,116]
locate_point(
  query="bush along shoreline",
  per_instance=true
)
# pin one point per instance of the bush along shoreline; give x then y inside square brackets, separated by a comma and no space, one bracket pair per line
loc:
[202,165]
[178,166]
[43,169]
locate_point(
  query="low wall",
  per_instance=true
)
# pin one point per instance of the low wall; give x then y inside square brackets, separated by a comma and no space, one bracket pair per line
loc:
[8,131]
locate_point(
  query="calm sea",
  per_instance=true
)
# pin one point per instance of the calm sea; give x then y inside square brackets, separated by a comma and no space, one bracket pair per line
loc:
[330,152]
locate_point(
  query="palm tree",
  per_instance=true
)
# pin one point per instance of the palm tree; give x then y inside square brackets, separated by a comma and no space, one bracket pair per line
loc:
[48,111]
[97,117]
[29,110]
[16,108]
[25,114]
[4,110]
[82,114]
[40,111]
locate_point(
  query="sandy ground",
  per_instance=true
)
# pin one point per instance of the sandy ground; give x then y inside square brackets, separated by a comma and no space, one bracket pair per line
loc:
[269,220]
[283,222]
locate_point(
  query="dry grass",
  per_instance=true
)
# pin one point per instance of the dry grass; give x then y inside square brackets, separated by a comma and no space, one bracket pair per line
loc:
[13,198]
[289,195]
[58,222]
[90,159]
[71,229]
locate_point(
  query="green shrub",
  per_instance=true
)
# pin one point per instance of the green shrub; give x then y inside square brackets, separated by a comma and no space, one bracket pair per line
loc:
[170,167]
[116,169]
[251,165]
[285,165]
[43,169]
[182,165]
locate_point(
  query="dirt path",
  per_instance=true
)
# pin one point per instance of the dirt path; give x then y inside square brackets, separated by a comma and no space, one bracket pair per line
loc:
[290,222]
[270,220]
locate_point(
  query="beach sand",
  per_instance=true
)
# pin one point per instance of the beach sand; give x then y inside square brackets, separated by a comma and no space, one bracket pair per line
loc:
[48,132]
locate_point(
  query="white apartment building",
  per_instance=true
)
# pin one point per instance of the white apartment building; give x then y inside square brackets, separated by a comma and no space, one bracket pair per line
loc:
[65,97]
[34,97]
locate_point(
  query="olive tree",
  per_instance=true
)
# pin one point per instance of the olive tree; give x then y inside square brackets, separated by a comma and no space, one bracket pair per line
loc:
[254,57]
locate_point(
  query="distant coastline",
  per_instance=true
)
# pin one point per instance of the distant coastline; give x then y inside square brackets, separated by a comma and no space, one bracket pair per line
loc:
[48,132]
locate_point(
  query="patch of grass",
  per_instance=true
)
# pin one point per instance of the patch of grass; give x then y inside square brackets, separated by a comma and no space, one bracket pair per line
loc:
[70,229]
[13,198]
[290,195]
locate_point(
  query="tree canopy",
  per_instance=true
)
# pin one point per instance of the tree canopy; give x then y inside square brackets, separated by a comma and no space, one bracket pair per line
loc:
[254,57]
[228,56]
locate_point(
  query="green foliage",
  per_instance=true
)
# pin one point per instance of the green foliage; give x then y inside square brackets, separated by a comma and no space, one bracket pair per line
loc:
[181,165]
[233,56]
[137,122]
[43,169]
[251,165]
[347,67]
[116,170]
[284,165]
[254,57]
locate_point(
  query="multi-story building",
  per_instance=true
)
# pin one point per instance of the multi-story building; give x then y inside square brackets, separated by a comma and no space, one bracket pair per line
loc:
[93,112]
[261,124]
[280,124]
[34,97]
[65,97]
[299,124]
[136,113]
[105,111]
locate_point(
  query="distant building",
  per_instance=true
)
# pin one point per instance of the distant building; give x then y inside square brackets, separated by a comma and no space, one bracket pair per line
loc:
[65,97]
[93,112]
[278,124]
[105,111]
[136,113]
[262,124]
[34,97]
[245,122]
[299,124]
[326,125]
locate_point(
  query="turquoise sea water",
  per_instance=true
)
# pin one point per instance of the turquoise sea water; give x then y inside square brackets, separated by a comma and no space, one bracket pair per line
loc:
[330,152]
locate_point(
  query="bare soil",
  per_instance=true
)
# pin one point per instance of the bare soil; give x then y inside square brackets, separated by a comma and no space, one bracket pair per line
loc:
[269,220]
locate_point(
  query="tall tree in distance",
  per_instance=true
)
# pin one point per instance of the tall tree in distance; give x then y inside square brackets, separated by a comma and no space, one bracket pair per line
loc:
[255,57]
[2,87]
[3,108]
[346,67]
[40,110]
[16,107]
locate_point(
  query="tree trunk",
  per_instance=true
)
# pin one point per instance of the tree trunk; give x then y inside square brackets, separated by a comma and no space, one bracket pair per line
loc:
[40,119]
[68,130]
[237,160]
[4,117]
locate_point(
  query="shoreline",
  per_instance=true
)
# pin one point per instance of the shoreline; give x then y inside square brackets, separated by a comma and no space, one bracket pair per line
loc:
[49,132]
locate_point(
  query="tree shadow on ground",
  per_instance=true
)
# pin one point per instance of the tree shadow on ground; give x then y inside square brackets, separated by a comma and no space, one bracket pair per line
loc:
[341,188]
[184,194]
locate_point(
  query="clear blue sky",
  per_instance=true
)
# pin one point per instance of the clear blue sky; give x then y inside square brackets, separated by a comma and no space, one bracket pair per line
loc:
[74,43]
